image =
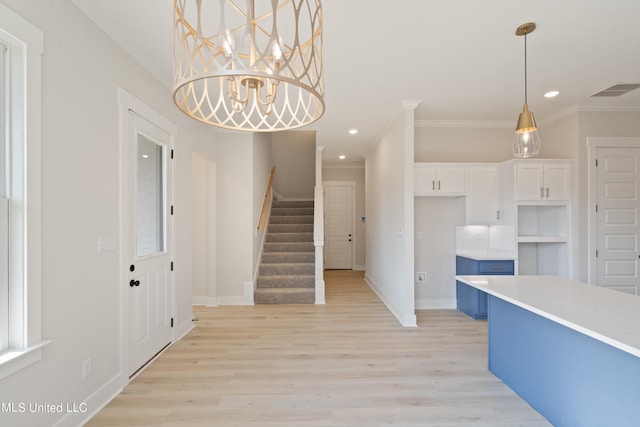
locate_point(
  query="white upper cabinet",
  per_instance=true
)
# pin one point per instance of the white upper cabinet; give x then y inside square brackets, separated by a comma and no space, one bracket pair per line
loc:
[543,181]
[430,179]
[483,195]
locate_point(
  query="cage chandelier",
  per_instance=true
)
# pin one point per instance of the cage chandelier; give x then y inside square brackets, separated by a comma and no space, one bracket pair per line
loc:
[526,142]
[251,65]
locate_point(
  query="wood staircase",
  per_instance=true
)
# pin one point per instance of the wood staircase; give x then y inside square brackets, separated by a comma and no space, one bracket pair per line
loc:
[287,268]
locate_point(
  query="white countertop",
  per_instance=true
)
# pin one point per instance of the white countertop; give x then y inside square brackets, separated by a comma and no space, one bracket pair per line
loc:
[487,254]
[609,316]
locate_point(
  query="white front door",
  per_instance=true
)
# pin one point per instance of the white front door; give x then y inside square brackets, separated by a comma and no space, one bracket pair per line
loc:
[148,239]
[338,226]
[617,228]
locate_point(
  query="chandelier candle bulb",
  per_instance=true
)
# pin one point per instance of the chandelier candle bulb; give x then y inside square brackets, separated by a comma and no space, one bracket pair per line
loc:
[249,65]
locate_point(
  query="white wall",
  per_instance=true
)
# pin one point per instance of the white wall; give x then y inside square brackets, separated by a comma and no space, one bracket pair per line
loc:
[356,174]
[261,169]
[204,231]
[235,227]
[389,203]
[82,70]
[294,155]
[463,144]
[436,219]
[242,173]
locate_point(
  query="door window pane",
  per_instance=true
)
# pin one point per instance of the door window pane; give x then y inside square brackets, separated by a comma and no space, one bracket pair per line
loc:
[150,197]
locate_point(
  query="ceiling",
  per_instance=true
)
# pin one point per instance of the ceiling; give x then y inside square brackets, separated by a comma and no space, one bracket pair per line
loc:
[460,58]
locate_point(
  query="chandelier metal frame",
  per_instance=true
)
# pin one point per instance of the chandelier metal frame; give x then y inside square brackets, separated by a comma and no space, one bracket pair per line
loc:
[249,65]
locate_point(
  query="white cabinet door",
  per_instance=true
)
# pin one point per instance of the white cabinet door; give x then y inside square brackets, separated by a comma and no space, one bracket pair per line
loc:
[438,180]
[424,180]
[529,181]
[451,180]
[483,195]
[543,181]
[556,181]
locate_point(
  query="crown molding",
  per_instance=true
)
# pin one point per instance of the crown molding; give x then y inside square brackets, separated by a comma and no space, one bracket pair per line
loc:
[584,108]
[404,106]
[464,124]
[572,110]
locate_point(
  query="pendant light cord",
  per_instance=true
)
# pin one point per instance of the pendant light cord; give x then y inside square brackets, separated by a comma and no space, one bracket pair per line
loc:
[525,67]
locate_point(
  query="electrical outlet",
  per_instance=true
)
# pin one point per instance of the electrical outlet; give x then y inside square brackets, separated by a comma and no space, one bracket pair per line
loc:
[421,276]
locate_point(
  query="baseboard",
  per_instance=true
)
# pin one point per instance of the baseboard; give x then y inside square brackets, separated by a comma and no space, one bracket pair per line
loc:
[81,412]
[234,300]
[92,405]
[407,320]
[204,300]
[245,299]
[359,268]
[183,329]
[435,304]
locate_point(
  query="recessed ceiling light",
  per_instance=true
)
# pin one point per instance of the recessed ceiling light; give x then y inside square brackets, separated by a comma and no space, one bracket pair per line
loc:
[353,131]
[551,94]
[342,157]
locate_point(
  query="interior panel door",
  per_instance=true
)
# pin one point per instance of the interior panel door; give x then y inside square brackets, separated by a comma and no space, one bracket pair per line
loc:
[618,186]
[338,227]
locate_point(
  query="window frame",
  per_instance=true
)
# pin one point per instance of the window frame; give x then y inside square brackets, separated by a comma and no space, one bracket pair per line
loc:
[23,143]
[4,204]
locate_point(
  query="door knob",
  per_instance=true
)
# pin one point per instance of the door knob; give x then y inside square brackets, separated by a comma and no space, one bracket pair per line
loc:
[133,283]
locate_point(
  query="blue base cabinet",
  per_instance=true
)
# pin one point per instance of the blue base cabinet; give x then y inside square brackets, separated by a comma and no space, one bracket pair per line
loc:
[469,300]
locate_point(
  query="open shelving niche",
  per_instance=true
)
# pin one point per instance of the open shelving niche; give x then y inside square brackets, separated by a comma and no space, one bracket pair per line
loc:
[543,239]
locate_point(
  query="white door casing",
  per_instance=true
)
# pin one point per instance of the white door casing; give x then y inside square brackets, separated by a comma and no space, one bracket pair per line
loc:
[147,241]
[339,216]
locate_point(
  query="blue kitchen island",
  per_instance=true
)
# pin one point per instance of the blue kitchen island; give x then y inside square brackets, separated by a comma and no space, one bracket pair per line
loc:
[470,300]
[571,350]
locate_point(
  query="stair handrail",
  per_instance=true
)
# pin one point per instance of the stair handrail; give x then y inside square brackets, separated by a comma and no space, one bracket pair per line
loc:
[267,200]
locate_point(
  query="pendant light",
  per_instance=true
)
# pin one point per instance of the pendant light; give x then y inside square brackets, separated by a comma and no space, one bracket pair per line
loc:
[249,65]
[526,142]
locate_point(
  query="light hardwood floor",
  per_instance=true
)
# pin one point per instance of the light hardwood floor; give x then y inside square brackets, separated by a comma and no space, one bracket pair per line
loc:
[346,363]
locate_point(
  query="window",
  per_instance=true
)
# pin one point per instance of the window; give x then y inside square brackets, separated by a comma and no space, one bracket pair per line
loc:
[20,219]
[4,207]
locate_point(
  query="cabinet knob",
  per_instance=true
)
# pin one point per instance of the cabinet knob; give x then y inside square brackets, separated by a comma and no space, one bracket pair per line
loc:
[547,192]
[542,192]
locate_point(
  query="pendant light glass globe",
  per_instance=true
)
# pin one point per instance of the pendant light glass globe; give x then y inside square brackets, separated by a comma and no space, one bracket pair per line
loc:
[526,142]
